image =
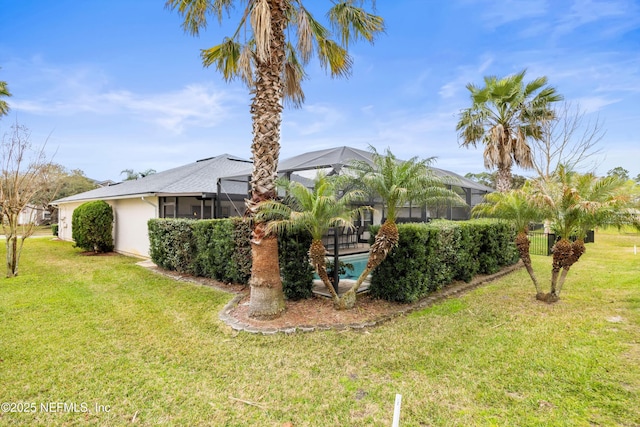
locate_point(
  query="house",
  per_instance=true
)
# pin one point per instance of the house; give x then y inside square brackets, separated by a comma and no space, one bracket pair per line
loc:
[32,214]
[189,191]
[217,187]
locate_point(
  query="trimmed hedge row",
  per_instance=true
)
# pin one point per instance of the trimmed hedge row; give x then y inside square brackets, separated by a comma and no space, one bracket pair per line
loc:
[430,256]
[221,249]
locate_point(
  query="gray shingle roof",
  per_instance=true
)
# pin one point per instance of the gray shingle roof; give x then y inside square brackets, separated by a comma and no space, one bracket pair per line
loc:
[343,156]
[194,178]
[202,176]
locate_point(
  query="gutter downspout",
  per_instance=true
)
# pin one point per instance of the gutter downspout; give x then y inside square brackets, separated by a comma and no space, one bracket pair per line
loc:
[149,203]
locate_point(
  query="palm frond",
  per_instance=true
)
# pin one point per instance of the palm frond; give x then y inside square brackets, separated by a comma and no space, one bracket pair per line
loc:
[515,206]
[4,92]
[306,34]
[399,182]
[260,18]
[225,56]
[334,57]
[195,12]
[353,23]
[293,76]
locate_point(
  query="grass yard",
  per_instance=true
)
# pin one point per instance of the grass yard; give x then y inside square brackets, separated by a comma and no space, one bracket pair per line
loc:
[101,341]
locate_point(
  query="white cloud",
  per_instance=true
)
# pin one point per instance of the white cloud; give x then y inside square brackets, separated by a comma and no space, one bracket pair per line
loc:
[193,105]
[587,11]
[316,118]
[466,75]
[593,104]
[500,13]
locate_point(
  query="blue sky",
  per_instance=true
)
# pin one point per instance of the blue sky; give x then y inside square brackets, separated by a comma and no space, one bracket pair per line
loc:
[118,85]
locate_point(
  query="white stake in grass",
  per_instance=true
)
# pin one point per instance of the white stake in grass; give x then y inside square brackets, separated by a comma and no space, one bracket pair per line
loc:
[396,411]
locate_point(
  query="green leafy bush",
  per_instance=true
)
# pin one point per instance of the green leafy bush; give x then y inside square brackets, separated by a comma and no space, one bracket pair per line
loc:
[406,274]
[295,268]
[92,226]
[54,229]
[221,249]
[240,270]
[430,256]
[172,244]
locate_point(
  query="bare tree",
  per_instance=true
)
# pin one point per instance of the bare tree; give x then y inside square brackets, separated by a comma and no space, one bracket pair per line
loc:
[59,182]
[23,170]
[571,139]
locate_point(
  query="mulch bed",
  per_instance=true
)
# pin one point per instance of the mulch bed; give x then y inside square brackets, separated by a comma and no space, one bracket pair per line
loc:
[317,313]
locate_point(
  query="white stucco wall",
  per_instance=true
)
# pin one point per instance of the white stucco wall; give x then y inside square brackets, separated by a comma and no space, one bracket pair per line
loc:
[65,213]
[131,216]
[130,223]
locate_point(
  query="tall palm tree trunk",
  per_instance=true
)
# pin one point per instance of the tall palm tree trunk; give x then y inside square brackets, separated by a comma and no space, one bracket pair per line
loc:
[386,239]
[503,179]
[523,243]
[267,297]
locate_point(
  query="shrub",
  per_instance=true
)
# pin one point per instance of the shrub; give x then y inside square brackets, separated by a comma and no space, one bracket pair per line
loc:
[430,256]
[405,275]
[223,250]
[295,268]
[171,244]
[92,226]
[241,257]
[54,229]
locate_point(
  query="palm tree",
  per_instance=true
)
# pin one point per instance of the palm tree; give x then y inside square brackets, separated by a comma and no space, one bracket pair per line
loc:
[577,203]
[314,210]
[503,115]
[514,206]
[396,183]
[131,175]
[4,93]
[263,53]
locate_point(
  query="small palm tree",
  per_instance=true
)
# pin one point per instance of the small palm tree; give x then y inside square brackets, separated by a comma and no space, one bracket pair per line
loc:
[576,203]
[396,183]
[314,210]
[514,206]
[503,115]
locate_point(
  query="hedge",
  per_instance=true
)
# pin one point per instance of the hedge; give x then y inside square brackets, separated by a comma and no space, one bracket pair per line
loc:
[221,249]
[172,244]
[92,226]
[295,268]
[430,256]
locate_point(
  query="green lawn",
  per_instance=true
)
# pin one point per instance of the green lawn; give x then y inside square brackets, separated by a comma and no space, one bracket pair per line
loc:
[148,350]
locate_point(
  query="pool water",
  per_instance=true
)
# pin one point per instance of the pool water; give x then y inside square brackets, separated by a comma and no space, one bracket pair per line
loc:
[359,262]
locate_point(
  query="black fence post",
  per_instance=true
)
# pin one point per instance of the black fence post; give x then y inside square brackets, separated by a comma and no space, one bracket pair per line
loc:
[551,240]
[336,261]
[590,237]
